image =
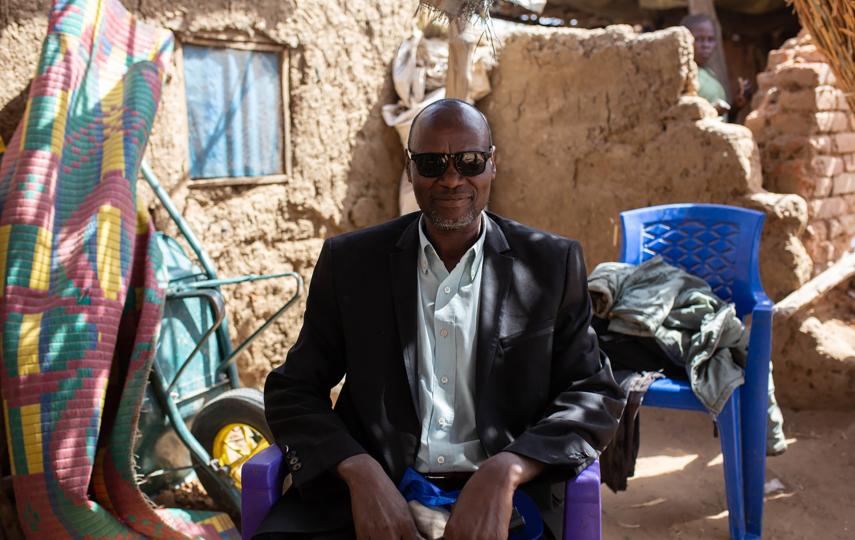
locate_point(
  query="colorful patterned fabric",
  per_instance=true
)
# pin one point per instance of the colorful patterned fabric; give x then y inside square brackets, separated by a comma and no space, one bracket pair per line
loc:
[80,300]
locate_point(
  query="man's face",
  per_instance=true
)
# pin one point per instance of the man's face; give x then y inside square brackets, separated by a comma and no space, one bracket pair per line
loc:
[704,42]
[452,201]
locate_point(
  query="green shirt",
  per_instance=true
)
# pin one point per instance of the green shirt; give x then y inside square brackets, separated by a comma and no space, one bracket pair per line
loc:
[710,89]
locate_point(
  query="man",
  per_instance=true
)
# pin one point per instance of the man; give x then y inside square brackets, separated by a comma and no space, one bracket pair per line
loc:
[466,344]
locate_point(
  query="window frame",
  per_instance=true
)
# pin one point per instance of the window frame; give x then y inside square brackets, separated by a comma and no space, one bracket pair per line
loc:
[237,42]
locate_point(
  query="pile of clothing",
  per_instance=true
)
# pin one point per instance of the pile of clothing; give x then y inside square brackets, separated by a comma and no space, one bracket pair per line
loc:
[654,319]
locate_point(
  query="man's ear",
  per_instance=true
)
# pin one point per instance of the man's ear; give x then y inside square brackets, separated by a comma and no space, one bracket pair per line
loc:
[407,169]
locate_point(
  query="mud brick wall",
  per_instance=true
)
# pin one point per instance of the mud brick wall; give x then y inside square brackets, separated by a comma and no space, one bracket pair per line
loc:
[806,135]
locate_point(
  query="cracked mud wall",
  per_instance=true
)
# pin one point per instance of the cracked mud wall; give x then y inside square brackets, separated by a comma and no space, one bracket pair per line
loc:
[590,123]
[346,162]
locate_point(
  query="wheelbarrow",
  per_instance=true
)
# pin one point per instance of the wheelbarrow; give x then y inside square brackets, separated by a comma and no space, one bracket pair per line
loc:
[194,379]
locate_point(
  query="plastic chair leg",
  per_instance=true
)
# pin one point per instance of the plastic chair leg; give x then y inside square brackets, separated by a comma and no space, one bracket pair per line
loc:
[729,433]
[754,425]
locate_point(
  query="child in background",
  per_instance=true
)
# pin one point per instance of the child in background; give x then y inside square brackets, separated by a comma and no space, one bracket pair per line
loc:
[702,28]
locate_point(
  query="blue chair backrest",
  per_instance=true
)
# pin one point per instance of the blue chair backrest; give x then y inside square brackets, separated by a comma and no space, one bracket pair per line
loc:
[718,243]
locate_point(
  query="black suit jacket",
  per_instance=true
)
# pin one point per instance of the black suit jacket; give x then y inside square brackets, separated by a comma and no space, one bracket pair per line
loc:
[543,389]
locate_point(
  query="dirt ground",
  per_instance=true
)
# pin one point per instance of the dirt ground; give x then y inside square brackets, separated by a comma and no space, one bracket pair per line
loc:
[678,490]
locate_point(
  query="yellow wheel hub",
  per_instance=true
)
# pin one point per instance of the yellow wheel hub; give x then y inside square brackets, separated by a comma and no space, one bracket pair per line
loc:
[234,445]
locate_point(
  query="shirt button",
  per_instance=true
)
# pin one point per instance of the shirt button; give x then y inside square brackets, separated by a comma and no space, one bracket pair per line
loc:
[441,422]
[443,332]
[440,460]
[443,379]
[447,290]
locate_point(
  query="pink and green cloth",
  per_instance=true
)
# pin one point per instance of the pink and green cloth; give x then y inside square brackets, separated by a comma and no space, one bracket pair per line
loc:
[80,294]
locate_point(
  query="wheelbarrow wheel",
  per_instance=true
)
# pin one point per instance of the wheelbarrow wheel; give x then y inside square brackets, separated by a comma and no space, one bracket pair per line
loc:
[232,428]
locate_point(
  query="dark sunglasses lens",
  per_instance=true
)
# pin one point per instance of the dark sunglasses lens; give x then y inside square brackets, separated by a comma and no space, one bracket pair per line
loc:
[431,165]
[470,163]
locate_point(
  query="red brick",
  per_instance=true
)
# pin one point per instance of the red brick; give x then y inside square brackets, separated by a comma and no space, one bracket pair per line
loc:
[844,143]
[779,57]
[844,183]
[809,53]
[822,187]
[806,75]
[827,208]
[833,121]
[842,244]
[792,43]
[848,223]
[805,178]
[849,162]
[823,144]
[826,165]
[820,252]
[817,230]
[822,98]
[795,123]
[834,228]
[765,81]
[788,147]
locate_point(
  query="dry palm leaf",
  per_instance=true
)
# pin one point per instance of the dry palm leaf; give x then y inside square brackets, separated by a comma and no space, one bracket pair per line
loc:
[831,23]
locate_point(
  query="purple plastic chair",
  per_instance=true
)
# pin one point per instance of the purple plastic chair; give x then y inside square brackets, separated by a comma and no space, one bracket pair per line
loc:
[262,477]
[720,244]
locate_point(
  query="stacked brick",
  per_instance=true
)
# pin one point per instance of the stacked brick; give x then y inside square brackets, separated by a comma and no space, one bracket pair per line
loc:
[806,134]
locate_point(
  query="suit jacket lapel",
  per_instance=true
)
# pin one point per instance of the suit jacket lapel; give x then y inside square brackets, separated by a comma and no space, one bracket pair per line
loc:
[404,259]
[495,283]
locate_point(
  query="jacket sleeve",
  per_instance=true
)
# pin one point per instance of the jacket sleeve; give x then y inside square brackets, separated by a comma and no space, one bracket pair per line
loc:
[297,393]
[586,402]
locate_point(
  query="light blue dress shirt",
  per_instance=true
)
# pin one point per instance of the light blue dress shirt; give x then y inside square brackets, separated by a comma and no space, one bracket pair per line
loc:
[447,330]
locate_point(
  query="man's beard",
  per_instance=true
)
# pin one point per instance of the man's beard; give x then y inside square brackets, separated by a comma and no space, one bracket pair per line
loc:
[449,225]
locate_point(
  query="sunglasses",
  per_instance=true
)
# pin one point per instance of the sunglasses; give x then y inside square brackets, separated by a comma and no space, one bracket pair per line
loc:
[434,164]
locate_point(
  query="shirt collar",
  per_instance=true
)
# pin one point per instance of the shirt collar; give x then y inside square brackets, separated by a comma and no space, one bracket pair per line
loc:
[474,255]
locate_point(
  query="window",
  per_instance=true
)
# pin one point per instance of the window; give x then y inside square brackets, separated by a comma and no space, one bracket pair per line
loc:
[237,104]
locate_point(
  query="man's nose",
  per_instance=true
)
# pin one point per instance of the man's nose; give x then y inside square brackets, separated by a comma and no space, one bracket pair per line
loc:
[451,178]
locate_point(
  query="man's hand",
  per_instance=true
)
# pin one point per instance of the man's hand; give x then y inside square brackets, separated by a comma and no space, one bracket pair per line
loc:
[743,95]
[379,510]
[483,509]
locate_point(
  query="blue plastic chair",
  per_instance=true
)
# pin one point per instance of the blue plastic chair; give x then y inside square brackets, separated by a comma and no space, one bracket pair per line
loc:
[263,474]
[720,244]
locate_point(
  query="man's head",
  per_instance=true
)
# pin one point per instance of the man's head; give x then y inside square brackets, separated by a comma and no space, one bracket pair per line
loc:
[451,199]
[703,29]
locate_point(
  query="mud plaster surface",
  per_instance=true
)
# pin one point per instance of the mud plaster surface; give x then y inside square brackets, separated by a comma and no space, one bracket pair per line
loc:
[589,123]
[346,162]
[817,353]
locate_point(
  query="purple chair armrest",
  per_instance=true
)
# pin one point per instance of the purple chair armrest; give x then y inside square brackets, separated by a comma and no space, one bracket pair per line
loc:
[261,487]
[583,506]
[262,477]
